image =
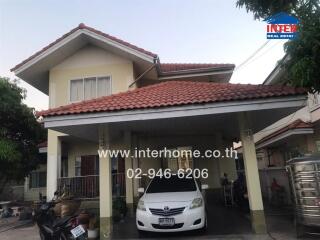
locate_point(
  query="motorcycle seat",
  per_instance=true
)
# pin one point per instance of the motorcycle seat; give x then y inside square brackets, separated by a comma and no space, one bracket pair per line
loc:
[61,221]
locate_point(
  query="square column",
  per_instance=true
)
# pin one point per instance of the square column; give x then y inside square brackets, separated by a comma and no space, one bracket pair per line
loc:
[129,181]
[252,174]
[105,184]
[53,162]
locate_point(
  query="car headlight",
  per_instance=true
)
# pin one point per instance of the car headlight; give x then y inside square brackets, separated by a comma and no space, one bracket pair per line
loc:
[197,202]
[141,205]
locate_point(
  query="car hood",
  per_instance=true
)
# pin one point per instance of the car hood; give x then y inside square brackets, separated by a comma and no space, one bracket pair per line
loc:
[170,197]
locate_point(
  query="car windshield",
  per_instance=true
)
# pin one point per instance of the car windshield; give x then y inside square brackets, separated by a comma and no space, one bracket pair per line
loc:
[173,184]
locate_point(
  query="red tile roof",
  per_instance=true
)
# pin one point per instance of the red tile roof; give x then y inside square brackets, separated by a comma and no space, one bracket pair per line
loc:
[297,124]
[175,67]
[174,93]
[165,68]
[83,26]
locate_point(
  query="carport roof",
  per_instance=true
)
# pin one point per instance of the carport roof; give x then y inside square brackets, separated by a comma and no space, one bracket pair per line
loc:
[174,93]
[296,127]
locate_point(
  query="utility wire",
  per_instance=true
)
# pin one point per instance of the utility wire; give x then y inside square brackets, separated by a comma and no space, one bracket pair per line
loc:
[247,61]
[252,55]
[259,56]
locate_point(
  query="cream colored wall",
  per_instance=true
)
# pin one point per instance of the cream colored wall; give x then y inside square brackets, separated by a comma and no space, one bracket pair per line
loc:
[90,61]
[216,167]
[87,62]
[32,194]
[79,148]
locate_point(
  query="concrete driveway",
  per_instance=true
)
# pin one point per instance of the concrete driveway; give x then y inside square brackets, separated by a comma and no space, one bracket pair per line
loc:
[224,223]
[30,232]
[25,232]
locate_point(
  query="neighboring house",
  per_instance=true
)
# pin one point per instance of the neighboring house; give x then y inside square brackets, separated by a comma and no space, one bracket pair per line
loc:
[12,191]
[295,135]
[33,186]
[105,93]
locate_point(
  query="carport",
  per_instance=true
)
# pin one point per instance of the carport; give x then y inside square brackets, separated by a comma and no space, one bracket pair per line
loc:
[147,120]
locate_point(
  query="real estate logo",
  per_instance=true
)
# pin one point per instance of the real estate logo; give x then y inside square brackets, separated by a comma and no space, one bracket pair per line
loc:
[282,26]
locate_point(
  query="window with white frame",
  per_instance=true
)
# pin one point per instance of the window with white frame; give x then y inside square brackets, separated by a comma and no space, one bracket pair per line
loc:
[37,179]
[89,88]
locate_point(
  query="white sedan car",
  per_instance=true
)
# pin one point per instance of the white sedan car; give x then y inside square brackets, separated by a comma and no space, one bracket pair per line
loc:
[171,205]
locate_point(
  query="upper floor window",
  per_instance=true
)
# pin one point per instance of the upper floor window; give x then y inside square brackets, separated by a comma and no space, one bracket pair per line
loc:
[89,88]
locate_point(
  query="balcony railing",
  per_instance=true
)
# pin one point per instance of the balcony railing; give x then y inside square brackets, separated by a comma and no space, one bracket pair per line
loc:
[88,186]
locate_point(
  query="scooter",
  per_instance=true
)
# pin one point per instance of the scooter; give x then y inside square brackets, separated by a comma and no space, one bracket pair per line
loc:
[53,228]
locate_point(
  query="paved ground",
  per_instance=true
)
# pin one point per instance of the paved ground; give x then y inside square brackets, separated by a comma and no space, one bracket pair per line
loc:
[221,221]
[26,232]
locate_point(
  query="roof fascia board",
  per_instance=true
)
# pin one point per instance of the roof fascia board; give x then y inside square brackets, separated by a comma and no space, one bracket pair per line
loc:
[193,74]
[173,112]
[195,70]
[286,134]
[47,52]
[276,71]
[73,36]
[118,45]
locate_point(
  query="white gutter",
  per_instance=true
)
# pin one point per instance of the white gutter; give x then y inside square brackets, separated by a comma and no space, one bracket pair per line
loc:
[284,135]
[194,74]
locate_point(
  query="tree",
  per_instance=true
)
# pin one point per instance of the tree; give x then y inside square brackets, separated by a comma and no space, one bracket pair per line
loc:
[20,133]
[303,65]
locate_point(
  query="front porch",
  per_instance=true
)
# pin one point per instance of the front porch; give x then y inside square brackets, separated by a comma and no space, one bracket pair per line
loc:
[87,187]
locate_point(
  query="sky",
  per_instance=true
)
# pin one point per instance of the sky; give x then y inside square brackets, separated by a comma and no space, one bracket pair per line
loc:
[186,31]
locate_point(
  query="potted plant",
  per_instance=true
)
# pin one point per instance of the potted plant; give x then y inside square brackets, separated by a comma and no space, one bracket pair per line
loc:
[93,230]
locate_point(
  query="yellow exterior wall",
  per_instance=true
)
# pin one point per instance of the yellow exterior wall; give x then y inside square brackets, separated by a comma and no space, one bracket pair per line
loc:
[77,149]
[89,61]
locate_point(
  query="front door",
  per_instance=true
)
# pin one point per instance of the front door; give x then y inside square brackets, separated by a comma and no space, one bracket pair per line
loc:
[89,172]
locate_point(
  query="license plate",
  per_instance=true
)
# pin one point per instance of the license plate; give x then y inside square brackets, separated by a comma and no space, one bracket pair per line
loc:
[166,221]
[78,231]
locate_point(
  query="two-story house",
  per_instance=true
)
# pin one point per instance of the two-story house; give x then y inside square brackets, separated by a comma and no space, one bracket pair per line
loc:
[105,93]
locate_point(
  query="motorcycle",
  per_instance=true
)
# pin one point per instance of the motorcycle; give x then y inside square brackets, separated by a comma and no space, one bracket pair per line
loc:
[54,228]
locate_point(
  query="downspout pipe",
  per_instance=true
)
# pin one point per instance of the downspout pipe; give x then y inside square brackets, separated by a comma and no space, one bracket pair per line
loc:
[156,62]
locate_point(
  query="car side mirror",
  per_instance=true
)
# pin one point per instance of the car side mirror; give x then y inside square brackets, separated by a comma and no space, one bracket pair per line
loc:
[204,186]
[141,190]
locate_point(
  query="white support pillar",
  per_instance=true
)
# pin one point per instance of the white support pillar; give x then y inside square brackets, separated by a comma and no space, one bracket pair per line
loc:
[53,162]
[252,174]
[224,164]
[135,164]
[128,164]
[105,184]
